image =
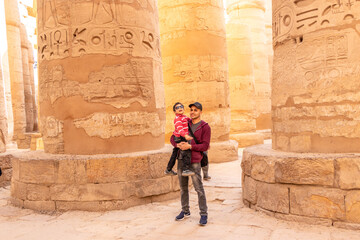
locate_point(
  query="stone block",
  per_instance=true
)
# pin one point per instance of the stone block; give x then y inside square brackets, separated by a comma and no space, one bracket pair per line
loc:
[6,175]
[165,197]
[300,143]
[157,164]
[225,151]
[37,192]
[262,168]
[18,190]
[17,202]
[37,171]
[249,189]
[106,170]
[352,204]
[73,171]
[305,171]
[248,139]
[350,226]
[42,206]
[246,162]
[317,202]
[137,168]
[15,163]
[102,192]
[5,161]
[282,143]
[149,187]
[273,197]
[65,192]
[347,173]
[308,220]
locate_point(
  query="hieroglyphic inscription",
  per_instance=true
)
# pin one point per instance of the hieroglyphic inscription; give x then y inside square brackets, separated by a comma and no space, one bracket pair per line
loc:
[106,125]
[119,86]
[72,28]
[294,18]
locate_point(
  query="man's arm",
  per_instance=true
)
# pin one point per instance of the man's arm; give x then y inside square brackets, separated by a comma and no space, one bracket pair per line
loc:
[204,145]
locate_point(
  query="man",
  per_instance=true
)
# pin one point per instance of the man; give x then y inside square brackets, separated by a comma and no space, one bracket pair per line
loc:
[202,133]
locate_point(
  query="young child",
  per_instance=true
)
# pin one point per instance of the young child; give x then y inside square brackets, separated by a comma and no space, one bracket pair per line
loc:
[181,134]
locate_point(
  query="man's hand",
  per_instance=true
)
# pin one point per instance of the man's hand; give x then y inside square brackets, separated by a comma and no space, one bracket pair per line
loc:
[184,146]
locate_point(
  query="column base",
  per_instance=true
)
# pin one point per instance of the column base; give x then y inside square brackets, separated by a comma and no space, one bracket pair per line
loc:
[265,132]
[248,139]
[48,182]
[225,151]
[315,188]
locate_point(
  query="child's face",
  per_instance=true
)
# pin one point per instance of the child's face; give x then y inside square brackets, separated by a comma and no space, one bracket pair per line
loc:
[179,109]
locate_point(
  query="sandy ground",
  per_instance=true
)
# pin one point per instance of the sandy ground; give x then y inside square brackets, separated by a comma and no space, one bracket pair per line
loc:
[228,219]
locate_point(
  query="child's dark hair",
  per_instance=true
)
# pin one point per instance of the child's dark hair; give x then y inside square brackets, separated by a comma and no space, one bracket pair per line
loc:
[177,104]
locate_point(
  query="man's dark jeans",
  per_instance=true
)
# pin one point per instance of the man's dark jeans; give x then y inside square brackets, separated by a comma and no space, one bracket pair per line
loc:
[184,155]
[184,188]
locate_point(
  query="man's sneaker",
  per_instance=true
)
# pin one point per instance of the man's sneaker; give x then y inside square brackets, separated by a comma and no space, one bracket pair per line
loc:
[187,173]
[170,172]
[207,178]
[182,215]
[203,220]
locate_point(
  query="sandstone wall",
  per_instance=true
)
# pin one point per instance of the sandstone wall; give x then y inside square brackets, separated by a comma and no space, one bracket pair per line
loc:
[100,76]
[315,90]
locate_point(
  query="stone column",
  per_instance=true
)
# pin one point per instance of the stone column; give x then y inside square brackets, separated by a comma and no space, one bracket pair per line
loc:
[100,77]
[268,31]
[33,90]
[26,79]
[252,14]
[195,67]
[15,67]
[241,81]
[311,172]
[4,59]
[3,114]
[102,104]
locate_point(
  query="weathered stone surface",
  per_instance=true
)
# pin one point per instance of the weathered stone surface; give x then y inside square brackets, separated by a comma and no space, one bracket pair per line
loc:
[36,192]
[305,171]
[263,168]
[157,165]
[72,172]
[308,220]
[248,139]
[18,190]
[106,170]
[347,173]
[223,151]
[149,187]
[273,197]
[5,161]
[315,87]
[351,226]
[100,86]
[42,206]
[352,204]
[249,190]
[317,202]
[37,171]
[246,162]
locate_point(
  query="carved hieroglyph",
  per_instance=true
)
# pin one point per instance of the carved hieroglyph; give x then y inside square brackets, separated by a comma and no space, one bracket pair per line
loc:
[195,61]
[315,89]
[15,67]
[100,60]
[27,80]
[252,14]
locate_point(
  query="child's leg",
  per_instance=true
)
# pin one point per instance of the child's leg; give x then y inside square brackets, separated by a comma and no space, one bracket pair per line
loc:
[186,159]
[172,160]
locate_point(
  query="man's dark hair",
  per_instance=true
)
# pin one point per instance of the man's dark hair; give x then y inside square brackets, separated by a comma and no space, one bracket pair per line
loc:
[177,104]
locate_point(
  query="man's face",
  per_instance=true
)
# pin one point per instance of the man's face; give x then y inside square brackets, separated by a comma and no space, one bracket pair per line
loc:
[195,112]
[179,109]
